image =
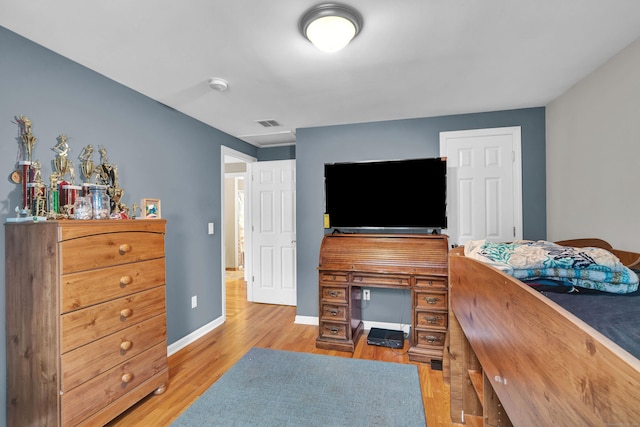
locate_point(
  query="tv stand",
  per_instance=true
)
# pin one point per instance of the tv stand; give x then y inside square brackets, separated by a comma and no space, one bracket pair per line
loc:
[350,262]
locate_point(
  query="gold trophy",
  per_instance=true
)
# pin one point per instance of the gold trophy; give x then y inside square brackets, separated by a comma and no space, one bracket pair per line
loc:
[87,166]
[61,162]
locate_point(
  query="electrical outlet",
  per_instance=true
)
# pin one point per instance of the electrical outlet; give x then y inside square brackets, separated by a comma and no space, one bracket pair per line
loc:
[194,301]
[366,294]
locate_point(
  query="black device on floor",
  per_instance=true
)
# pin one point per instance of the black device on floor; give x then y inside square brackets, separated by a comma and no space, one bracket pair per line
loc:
[386,338]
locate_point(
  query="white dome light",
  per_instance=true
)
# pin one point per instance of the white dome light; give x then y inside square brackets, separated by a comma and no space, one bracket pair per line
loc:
[330,27]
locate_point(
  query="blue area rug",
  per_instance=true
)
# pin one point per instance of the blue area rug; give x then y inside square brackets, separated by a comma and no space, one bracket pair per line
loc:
[282,388]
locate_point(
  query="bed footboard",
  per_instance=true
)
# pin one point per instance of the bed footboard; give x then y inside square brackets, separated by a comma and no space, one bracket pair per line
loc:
[545,365]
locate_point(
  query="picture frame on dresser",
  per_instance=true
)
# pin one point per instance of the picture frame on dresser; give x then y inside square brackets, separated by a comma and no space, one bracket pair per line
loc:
[151,208]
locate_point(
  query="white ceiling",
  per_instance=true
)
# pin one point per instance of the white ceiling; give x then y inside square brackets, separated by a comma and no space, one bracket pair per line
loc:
[413,58]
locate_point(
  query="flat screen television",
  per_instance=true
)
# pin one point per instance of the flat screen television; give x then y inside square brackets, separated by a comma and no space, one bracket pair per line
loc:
[386,194]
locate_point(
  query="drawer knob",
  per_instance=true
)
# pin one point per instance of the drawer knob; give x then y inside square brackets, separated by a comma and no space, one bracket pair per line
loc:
[126,378]
[125,280]
[124,248]
[125,345]
[432,300]
[431,339]
[126,312]
[334,293]
[334,331]
[432,320]
[333,311]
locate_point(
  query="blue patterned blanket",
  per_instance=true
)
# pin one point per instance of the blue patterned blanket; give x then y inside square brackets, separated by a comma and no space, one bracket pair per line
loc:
[591,268]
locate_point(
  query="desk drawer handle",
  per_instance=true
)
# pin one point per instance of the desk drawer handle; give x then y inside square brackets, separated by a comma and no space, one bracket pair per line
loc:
[334,293]
[432,300]
[125,280]
[431,339]
[124,248]
[334,331]
[333,311]
[432,320]
[126,312]
[126,378]
[125,345]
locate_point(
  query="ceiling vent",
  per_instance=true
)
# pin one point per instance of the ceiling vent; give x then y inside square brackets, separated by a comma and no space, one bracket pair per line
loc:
[269,123]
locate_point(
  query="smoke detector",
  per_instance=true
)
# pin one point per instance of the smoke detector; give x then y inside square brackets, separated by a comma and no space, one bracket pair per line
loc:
[218,84]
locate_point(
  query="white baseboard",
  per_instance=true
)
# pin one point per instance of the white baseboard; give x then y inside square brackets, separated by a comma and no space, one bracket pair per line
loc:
[406,328]
[306,320]
[311,320]
[302,320]
[194,336]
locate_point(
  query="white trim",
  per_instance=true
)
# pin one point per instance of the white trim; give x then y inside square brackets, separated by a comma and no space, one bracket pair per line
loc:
[307,320]
[226,151]
[194,336]
[312,320]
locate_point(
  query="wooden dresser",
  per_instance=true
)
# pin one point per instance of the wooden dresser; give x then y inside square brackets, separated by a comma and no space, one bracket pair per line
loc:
[350,262]
[85,319]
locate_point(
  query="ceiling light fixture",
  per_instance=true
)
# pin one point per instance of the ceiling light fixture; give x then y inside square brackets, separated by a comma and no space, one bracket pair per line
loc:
[330,27]
[218,84]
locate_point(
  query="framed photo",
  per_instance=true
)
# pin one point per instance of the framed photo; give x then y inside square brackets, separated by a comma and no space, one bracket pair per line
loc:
[150,208]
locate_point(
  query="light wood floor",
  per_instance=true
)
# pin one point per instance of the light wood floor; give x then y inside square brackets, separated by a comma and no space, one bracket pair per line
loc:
[194,368]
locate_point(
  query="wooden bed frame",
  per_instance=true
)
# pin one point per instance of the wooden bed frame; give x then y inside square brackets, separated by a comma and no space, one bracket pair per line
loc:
[518,358]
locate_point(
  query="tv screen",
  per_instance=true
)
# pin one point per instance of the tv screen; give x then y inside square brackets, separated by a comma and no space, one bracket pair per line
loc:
[386,194]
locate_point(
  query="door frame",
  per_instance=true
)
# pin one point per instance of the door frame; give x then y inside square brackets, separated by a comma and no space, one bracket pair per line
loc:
[225,152]
[516,133]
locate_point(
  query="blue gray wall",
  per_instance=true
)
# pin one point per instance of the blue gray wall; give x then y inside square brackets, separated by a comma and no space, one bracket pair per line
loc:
[400,139]
[160,153]
[159,150]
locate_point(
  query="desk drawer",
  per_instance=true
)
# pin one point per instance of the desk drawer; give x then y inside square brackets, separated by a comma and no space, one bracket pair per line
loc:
[334,294]
[430,338]
[334,312]
[333,330]
[334,277]
[431,283]
[430,300]
[380,280]
[86,362]
[83,326]
[428,319]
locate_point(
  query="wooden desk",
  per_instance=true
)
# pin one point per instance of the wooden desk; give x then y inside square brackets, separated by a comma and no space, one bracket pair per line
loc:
[350,262]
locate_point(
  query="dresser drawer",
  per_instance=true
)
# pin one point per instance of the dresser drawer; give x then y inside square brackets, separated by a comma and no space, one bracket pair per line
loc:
[430,300]
[431,283]
[334,312]
[428,319]
[334,294]
[104,250]
[83,326]
[84,363]
[333,330]
[380,280]
[430,338]
[83,401]
[91,287]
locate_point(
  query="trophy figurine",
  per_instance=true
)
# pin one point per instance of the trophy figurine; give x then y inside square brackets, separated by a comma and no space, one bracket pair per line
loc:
[61,162]
[87,166]
[27,142]
[26,138]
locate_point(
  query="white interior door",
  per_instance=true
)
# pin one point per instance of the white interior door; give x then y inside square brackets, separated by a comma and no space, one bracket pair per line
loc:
[274,233]
[484,184]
